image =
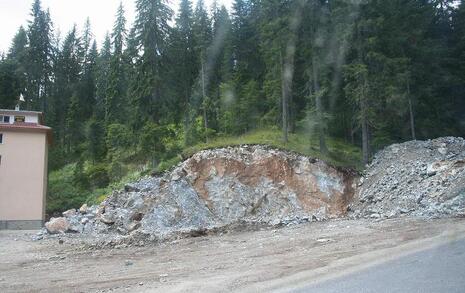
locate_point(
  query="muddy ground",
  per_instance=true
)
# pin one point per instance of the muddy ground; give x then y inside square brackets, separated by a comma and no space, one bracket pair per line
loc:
[253,261]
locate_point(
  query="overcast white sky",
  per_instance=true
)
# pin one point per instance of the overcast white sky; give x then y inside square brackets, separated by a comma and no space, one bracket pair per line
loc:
[65,13]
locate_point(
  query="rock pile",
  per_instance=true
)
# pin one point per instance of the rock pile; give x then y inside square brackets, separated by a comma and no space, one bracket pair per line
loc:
[214,189]
[417,178]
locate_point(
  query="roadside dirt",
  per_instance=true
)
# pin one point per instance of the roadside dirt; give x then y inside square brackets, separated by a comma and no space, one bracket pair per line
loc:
[248,261]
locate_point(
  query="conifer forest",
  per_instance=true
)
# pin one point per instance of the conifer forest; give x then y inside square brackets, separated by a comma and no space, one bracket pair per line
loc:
[320,74]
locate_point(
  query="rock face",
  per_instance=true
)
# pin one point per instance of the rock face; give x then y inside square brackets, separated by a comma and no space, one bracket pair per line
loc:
[418,178]
[251,185]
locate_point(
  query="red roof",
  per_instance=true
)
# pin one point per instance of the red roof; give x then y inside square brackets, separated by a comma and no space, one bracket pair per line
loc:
[26,126]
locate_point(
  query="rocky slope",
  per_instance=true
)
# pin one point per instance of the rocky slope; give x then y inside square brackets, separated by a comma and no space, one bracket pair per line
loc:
[249,185]
[418,178]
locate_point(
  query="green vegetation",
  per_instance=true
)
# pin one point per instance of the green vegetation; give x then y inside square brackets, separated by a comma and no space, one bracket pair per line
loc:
[66,192]
[340,153]
[73,185]
[305,75]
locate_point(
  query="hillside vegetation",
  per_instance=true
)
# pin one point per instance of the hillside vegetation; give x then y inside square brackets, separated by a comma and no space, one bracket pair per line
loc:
[74,184]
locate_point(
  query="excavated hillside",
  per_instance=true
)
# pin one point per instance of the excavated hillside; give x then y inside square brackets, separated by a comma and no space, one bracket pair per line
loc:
[214,189]
[251,186]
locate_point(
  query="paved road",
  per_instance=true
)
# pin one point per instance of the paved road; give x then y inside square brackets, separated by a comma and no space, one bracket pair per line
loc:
[441,269]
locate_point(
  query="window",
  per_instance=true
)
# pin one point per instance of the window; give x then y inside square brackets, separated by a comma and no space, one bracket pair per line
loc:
[20,119]
[4,119]
[1,138]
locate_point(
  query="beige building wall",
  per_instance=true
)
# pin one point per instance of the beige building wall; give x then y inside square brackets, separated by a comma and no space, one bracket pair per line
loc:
[23,179]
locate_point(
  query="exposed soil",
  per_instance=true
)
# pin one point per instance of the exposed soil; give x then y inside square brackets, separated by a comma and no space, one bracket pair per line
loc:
[265,260]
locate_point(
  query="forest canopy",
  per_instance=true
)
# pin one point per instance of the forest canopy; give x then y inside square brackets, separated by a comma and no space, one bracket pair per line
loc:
[368,72]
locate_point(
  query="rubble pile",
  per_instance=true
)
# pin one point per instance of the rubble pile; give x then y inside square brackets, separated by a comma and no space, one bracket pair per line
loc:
[417,178]
[214,189]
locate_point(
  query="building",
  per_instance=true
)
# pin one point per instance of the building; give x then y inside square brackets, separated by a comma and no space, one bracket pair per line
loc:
[24,144]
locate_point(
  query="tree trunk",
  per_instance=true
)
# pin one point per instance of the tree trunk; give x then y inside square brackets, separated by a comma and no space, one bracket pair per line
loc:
[410,107]
[186,117]
[205,118]
[284,101]
[365,131]
[319,108]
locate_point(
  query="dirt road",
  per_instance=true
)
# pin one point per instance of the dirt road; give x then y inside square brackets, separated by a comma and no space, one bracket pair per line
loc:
[266,260]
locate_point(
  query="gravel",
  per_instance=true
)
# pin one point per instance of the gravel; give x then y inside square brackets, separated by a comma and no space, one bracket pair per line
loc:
[416,178]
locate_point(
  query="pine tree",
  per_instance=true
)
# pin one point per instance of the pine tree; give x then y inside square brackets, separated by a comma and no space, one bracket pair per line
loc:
[67,80]
[17,61]
[102,80]
[203,34]
[184,59]
[221,60]
[116,92]
[39,52]
[151,31]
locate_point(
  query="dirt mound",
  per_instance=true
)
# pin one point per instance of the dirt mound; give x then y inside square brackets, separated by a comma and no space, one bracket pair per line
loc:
[418,178]
[248,185]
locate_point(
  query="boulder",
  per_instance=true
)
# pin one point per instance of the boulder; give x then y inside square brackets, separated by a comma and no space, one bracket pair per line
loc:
[57,225]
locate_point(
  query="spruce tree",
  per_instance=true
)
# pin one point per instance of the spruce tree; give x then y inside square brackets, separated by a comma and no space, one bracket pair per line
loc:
[151,30]
[184,59]
[39,53]
[116,91]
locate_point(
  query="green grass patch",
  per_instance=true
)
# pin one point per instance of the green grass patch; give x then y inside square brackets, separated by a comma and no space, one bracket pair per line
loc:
[341,154]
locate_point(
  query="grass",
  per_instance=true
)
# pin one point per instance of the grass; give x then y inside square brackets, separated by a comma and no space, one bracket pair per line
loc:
[341,154]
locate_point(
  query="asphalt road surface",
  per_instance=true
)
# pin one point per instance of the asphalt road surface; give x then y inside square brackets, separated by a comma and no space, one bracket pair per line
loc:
[441,269]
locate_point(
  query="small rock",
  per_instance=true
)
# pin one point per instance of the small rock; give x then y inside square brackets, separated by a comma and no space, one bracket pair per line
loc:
[84,221]
[37,237]
[83,209]
[107,219]
[133,226]
[69,213]
[131,188]
[443,150]
[324,240]
[375,216]
[403,211]
[128,263]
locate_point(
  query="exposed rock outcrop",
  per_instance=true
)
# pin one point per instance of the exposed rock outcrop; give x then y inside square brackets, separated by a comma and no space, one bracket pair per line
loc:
[248,185]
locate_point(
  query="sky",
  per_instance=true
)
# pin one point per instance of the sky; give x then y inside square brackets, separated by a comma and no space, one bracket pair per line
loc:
[65,13]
